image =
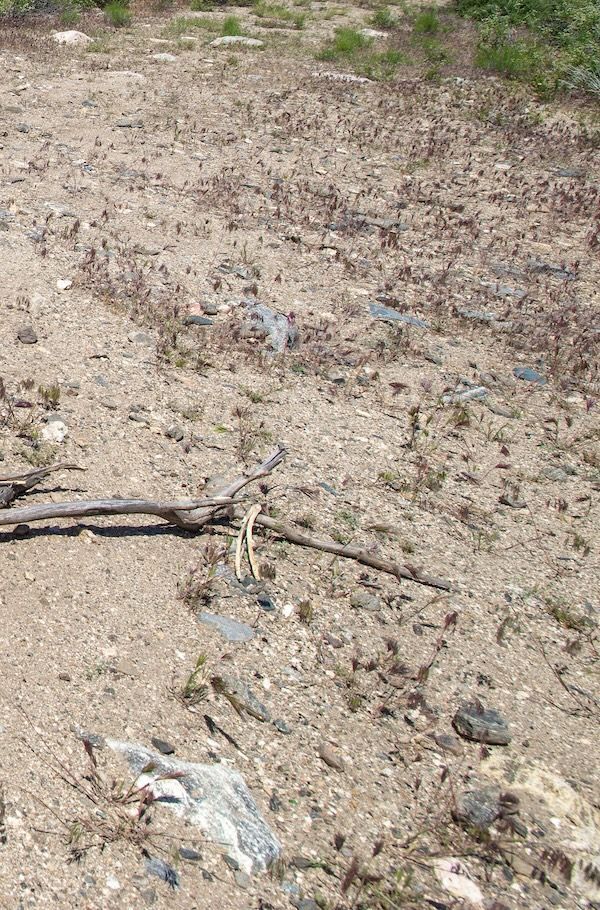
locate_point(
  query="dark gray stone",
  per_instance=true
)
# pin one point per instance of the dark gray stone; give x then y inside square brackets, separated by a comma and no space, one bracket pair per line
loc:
[282,726]
[164,747]
[197,320]
[27,335]
[192,856]
[478,808]
[158,867]
[483,725]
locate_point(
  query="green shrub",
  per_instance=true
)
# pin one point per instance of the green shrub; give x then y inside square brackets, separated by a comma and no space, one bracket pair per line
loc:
[346,42]
[383,18]
[426,22]
[117,14]
[231,26]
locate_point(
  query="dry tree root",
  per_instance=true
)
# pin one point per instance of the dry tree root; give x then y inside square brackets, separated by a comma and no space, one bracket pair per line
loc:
[191,515]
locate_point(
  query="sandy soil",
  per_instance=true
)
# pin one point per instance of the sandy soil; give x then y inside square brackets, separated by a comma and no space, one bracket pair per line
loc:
[156,189]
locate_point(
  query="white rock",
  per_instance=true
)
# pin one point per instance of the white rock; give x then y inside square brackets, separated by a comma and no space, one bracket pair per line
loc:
[453,876]
[55,431]
[165,58]
[373,33]
[63,284]
[72,37]
[236,39]
[213,797]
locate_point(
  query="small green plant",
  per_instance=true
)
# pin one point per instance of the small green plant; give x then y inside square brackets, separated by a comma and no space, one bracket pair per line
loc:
[195,688]
[50,396]
[383,18]
[70,14]
[117,14]
[427,22]
[346,43]
[231,26]
[202,6]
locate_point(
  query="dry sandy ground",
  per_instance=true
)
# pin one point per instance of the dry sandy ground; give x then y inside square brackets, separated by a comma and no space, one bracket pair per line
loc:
[159,188]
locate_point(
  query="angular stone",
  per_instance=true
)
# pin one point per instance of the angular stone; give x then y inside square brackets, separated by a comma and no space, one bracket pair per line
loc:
[483,725]
[163,746]
[27,335]
[72,38]
[213,797]
[478,808]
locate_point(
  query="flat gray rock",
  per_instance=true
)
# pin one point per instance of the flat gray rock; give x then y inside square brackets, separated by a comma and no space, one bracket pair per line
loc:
[230,629]
[213,797]
[389,315]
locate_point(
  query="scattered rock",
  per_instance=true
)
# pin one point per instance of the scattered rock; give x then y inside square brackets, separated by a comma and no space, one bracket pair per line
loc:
[158,867]
[175,432]
[280,329]
[165,58]
[539,267]
[230,629]
[227,40]
[331,758]
[56,431]
[27,335]
[214,797]
[362,600]
[197,320]
[464,395]
[282,726]
[448,743]
[127,123]
[387,314]
[164,747]
[507,500]
[454,877]
[72,38]
[478,808]
[529,375]
[483,725]
[63,284]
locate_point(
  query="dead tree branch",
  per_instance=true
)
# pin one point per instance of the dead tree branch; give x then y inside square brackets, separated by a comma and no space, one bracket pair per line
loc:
[193,514]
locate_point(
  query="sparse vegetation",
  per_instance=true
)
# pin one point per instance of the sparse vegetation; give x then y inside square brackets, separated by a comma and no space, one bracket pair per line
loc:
[118,14]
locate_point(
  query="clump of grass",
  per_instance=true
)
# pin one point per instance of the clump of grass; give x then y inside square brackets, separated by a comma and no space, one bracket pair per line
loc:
[279,12]
[427,22]
[195,688]
[202,6]
[568,33]
[346,43]
[183,25]
[117,14]
[383,18]
[231,26]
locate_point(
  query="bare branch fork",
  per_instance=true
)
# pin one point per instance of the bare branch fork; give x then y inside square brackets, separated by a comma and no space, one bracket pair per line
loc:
[191,515]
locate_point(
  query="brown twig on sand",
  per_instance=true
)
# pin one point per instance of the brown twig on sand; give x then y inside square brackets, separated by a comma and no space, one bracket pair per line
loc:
[356,553]
[195,514]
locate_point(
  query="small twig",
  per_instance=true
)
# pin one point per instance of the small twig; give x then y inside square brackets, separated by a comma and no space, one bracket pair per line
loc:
[355,553]
[252,515]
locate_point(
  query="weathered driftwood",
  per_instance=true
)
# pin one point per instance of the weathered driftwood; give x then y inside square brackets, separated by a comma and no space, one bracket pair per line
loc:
[194,514]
